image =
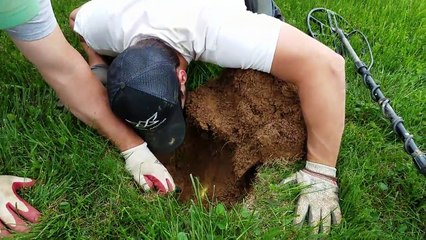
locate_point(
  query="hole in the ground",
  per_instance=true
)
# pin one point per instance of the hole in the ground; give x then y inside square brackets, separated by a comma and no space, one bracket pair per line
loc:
[210,160]
[255,118]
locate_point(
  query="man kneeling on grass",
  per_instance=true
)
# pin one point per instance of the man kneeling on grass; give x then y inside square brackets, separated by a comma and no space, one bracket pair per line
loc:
[154,41]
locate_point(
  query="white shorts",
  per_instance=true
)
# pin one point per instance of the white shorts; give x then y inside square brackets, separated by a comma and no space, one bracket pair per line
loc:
[244,40]
[38,27]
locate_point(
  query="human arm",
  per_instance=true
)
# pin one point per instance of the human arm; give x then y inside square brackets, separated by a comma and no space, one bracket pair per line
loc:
[318,203]
[65,70]
[319,74]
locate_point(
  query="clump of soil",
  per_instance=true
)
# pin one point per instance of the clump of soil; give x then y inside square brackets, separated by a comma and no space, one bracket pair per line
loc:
[235,123]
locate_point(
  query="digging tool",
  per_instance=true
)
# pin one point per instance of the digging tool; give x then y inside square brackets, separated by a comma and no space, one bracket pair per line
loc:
[326,25]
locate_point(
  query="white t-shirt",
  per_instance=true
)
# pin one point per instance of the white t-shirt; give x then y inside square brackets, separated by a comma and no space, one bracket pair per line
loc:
[222,32]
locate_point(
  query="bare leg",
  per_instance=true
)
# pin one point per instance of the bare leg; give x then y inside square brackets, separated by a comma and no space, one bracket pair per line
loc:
[319,75]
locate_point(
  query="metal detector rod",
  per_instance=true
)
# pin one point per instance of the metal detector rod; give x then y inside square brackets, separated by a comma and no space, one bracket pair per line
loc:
[410,146]
[350,49]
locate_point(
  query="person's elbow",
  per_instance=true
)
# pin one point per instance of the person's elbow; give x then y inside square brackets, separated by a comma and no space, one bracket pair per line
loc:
[71,19]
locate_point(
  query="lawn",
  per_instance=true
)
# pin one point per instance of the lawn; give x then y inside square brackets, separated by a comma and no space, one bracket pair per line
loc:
[84,192]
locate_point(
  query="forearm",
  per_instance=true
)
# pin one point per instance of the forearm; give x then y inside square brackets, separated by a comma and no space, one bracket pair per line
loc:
[66,71]
[90,105]
[324,119]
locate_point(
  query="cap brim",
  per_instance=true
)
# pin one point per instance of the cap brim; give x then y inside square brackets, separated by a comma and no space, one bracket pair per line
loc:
[133,105]
[170,136]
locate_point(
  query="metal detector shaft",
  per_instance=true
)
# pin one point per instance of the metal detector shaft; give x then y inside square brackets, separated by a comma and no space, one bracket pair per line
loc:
[410,146]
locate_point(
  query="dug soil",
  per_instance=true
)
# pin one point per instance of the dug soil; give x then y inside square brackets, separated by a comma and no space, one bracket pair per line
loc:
[235,123]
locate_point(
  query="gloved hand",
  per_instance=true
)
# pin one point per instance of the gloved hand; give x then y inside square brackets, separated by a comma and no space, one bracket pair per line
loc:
[318,201]
[11,205]
[147,171]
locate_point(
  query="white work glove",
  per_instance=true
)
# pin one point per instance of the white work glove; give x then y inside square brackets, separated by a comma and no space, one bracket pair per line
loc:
[11,205]
[147,171]
[318,201]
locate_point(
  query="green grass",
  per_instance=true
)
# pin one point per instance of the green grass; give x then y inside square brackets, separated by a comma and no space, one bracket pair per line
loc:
[84,191]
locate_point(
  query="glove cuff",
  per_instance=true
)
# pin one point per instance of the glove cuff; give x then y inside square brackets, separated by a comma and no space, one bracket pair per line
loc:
[126,154]
[321,169]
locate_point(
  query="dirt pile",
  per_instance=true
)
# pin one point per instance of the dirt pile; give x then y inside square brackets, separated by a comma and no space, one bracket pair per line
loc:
[236,122]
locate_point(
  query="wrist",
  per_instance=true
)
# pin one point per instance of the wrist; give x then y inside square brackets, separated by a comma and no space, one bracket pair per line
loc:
[122,136]
[321,169]
[135,156]
[110,126]
[139,148]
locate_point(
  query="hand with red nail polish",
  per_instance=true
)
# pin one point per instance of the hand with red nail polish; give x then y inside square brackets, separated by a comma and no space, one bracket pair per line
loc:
[14,211]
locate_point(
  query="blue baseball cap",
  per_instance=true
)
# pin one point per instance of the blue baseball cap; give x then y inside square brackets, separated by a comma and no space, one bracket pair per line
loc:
[143,90]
